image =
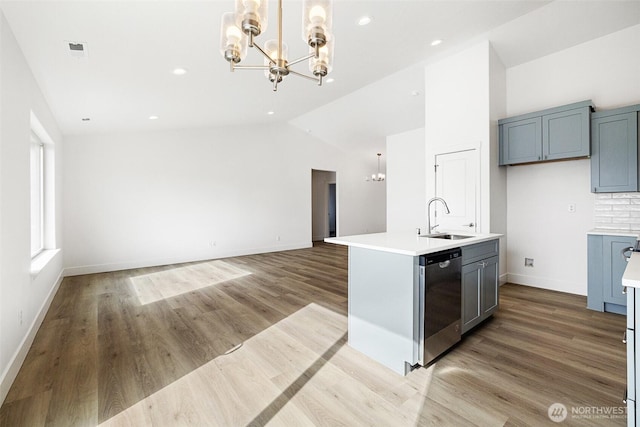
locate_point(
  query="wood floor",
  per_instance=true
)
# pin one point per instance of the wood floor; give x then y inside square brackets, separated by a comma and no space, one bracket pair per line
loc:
[261,339]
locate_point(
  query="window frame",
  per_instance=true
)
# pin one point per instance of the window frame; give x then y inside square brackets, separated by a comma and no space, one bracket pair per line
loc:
[40,188]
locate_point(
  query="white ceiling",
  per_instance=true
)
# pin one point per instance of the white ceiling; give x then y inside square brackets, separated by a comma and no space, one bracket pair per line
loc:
[133,46]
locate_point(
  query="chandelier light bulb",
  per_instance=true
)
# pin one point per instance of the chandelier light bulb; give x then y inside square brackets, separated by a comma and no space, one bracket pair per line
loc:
[252,16]
[234,34]
[233,43]
[317,15]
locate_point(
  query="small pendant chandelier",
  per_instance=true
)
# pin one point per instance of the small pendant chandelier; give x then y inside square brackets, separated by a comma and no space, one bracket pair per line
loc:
[377,177]
[250,20]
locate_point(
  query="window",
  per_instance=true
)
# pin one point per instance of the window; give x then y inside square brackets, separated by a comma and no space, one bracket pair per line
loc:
[37,195]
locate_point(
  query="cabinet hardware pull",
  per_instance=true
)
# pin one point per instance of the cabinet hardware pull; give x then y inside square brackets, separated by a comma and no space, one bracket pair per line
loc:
[624,290]
[624,399]
[468,225]
[624,338]
[624,251]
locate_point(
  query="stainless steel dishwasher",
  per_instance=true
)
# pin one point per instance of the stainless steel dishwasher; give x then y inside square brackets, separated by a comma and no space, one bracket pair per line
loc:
[440,303]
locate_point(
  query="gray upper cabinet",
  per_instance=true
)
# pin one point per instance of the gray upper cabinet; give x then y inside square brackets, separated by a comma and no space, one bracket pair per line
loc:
[614,148]
[521,140]
[553,134]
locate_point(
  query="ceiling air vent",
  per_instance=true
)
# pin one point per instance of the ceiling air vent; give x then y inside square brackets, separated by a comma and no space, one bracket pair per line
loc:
[77,49]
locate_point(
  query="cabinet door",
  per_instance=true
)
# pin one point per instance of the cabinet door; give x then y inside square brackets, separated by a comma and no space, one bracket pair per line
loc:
[471,297]
[522,141]
[614,265]
[566,134]
[614,153]
[489,287]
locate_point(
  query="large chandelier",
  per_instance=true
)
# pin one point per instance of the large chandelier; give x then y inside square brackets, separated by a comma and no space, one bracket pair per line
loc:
[250,20]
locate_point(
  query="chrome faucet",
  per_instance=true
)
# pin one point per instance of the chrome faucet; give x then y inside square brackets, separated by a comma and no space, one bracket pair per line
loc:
[440,199]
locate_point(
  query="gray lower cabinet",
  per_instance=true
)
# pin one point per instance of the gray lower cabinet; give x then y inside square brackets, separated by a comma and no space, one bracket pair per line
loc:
[606,266]
[614,150]
[552,134]
[480,286]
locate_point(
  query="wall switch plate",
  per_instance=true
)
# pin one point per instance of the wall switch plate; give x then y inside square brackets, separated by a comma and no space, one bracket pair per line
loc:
[528,262]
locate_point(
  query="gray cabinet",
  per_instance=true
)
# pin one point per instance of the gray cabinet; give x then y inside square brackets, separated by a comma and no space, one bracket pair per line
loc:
[614,150]
[552,134]
[606,265]
[480,286]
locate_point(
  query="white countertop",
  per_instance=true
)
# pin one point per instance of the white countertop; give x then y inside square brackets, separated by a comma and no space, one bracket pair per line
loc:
[614,232]
[631,276]
[407,243]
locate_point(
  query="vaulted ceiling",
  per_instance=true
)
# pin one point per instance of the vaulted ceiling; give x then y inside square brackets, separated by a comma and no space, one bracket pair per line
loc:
[133,46]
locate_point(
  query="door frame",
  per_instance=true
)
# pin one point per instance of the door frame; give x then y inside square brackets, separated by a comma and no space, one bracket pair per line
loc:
[331,178]
[431,186]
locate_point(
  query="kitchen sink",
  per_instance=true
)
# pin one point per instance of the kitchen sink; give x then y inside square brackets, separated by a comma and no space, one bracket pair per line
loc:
[446,236]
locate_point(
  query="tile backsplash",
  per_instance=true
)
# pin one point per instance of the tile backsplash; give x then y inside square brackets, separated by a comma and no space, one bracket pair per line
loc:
[619,211]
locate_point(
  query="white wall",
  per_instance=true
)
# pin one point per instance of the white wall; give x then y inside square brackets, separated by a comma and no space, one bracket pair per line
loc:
[463,94]
[605,70]
[406,194]
[21,292]
[141,199]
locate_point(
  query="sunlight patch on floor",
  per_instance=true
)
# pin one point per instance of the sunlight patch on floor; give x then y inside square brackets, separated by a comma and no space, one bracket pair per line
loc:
[249,383]
[157,286]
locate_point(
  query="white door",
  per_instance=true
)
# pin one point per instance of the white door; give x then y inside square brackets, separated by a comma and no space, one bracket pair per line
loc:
[457,182]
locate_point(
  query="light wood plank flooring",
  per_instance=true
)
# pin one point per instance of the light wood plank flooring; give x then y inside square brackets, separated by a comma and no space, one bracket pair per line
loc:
[261,340]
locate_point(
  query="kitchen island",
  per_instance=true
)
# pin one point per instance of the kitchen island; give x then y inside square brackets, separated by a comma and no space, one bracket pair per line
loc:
[384,290]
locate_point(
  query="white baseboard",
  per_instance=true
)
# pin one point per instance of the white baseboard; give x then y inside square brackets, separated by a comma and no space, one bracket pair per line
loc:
[502,279]
[105,268]
[10,374]
[548,283]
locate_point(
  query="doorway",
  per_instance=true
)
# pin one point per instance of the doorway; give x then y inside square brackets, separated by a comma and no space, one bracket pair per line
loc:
[324,205]
[332,209]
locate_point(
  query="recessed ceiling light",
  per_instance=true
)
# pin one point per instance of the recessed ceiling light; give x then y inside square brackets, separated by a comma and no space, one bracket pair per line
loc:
[436,42]
[365,20]
[330,80]
[179,71]
[271,113]
[153,117]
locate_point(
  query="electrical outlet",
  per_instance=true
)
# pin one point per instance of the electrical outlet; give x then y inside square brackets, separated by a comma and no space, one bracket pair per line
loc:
[20,317]
[528,262]
[278,238]
[212,243]
[572,207]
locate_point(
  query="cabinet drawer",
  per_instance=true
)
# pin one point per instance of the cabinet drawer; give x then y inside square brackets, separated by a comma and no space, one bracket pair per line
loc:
[480,251]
